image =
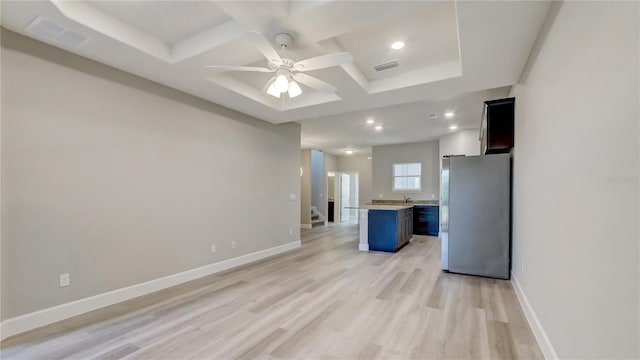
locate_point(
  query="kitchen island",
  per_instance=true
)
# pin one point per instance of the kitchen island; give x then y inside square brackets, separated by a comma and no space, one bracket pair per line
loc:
[385,227]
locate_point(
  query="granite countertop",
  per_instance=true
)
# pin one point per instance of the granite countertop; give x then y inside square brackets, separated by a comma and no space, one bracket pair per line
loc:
[402,203]
[394,204]
[381,207]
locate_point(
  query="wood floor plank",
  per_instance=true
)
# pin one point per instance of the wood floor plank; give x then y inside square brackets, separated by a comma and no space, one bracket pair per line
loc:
[117,353]
[325,300]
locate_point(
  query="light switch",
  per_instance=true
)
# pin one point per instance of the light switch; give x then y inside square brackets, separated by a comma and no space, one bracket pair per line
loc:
[292,197]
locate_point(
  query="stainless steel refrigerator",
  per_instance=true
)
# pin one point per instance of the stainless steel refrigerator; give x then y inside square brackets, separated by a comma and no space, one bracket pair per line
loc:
[475,215]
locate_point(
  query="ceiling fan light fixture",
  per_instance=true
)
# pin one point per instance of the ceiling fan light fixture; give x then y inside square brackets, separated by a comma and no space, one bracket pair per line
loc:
[294,89]
[284,65]
[282,83]
[271,90]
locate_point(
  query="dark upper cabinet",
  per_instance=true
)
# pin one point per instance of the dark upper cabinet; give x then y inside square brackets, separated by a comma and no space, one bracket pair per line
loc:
[497,131]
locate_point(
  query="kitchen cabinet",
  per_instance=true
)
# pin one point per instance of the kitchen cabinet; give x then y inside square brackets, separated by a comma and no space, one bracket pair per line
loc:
[389,230]
[426,220]
[497,128]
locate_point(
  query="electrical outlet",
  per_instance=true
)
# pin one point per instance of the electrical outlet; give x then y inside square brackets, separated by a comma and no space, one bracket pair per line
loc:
[233,244]
[213,249]
[521,268]
[65,280]
[290,231]
[433,196]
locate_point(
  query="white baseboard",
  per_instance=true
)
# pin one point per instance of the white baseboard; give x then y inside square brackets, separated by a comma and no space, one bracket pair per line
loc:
[538,331]
[50,315]
[306,226]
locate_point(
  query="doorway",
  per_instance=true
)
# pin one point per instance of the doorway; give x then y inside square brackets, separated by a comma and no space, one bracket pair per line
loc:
[348,184]
[332,194]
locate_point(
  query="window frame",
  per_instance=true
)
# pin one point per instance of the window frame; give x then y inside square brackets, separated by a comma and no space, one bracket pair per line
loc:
[394,176]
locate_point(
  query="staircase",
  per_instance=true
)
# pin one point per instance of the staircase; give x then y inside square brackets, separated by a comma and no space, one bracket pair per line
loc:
[317,219]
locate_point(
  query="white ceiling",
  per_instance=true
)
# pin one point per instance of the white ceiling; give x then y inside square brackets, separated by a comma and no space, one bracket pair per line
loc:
[169,21]
[454,53]
[401,123]
[430,35]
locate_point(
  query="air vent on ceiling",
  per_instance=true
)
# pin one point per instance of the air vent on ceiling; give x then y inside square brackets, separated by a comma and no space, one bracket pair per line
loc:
[48,30]
[386,66]
[433,116]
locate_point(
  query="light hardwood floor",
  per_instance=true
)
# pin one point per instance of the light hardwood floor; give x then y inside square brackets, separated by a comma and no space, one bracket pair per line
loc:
[325,300]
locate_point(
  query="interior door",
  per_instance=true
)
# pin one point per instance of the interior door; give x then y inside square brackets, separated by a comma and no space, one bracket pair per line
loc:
[353,195]
[345,197]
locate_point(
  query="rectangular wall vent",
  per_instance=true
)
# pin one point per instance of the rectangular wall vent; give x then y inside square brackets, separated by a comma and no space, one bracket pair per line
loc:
[386,66]
[48,30]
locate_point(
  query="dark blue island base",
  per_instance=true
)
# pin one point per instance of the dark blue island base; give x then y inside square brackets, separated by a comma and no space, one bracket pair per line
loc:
[390,230]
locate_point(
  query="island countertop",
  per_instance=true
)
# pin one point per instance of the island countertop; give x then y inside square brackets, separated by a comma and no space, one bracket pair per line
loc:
[381,207]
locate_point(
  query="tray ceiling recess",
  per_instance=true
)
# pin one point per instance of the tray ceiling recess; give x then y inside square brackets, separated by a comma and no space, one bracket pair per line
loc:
[450,47]
[288,72]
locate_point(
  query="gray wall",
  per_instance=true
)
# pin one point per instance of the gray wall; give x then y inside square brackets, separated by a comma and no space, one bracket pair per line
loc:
[318,182]
[464,142]
[331,186]
[330,162]
[305,187]
[576,165]
[427,153]
[119,180]
[331,165]
[362,165]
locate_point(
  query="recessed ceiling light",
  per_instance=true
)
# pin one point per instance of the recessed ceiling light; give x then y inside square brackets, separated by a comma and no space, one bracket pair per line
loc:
[397,45]
[453,127]
[449,114]
[378,128]
[348,152]
[370,121]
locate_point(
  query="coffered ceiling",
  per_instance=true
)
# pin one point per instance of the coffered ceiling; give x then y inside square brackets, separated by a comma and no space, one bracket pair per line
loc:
[453,48]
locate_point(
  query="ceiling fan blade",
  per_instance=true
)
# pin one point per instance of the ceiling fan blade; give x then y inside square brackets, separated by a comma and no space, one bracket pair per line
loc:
[264,46]
[314,83]
[323,61]
[239,68]
[266,86]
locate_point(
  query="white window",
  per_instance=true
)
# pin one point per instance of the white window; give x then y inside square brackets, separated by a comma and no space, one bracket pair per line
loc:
[406,177]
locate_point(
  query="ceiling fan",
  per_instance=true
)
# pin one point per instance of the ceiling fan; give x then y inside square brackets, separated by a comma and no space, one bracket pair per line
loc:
[288,72]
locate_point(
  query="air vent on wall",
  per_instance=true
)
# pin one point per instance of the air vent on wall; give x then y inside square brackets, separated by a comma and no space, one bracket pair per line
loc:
[386,66]
[48,30]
